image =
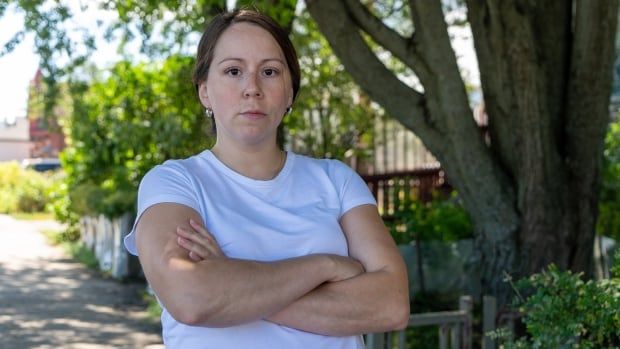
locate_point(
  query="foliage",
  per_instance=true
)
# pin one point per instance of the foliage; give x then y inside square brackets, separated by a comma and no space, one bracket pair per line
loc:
[332,117]
[440,219]
[122,126]
[563,311]
[23,190]
[608,223]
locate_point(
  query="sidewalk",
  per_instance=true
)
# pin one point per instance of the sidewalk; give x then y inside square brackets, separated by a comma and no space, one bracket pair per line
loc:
[49,301]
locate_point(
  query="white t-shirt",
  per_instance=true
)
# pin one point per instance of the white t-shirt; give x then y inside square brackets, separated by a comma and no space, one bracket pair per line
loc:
[295,214]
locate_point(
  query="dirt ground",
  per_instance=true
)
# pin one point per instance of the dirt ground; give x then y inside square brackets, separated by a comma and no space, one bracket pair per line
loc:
[49,301]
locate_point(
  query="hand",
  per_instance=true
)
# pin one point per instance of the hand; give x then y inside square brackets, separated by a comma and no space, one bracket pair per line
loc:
[345,268]
[199,242]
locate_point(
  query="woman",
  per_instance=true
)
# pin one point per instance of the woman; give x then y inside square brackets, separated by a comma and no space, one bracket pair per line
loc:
[247,246]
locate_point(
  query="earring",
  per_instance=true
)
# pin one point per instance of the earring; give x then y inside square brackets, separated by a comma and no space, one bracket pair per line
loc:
[289,110]
[209,112]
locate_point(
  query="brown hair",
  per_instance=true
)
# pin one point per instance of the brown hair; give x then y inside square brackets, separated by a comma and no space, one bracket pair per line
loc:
[221,22]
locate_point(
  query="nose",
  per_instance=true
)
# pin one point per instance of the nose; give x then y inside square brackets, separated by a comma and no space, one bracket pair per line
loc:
[252,87]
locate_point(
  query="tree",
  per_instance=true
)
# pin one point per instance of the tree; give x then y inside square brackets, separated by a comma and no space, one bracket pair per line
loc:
[545,67]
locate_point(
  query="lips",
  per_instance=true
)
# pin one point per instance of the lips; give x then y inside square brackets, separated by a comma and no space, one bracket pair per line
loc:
[253,114]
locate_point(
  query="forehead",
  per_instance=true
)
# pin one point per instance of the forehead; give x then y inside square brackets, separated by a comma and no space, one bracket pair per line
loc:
[247,40]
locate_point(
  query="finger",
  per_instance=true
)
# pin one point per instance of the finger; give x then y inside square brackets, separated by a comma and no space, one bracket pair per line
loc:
[200,244]
[201,240]
[195,257]
[194,248]
[201,230]
[206,234]
[193,236]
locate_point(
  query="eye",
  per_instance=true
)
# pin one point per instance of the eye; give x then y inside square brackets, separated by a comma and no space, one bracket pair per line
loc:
[270,72]
[233,71]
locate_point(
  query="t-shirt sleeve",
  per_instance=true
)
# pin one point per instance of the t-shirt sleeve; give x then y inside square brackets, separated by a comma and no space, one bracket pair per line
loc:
[352,189]
[164,183]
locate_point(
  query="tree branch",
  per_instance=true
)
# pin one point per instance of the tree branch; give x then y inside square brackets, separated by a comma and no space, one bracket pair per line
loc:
[400,47]
[401,101]
[444,86]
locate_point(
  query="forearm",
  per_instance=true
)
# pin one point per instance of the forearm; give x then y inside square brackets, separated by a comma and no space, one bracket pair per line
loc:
[224,292]
[370,302]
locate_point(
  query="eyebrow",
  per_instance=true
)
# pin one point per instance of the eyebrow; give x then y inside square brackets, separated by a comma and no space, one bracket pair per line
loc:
[243,60]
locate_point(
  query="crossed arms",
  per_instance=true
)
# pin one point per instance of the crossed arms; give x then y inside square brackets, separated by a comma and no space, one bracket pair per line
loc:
[321,293]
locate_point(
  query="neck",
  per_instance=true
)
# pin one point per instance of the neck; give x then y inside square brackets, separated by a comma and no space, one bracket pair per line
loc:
[258,163]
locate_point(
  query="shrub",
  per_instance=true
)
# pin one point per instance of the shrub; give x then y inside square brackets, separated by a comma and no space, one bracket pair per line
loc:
[608,223]
[563,311]
[23,190]
[440,219]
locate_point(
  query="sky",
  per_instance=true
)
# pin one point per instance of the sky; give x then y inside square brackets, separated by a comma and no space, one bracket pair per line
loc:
[16,70]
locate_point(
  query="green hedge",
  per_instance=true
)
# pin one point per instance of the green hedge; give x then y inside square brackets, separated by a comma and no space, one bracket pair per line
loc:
[24,190]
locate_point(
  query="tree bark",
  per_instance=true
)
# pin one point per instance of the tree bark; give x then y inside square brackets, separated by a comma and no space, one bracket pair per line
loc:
[546,76]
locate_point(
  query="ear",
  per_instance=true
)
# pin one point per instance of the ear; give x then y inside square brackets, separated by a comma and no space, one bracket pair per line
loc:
[289,101]
[202,94]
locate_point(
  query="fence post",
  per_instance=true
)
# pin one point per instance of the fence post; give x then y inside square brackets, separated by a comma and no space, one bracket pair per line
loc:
[489,315]
[466,303]
[443,336]
[375,341]
[455,337]
[402,339]
[121,226]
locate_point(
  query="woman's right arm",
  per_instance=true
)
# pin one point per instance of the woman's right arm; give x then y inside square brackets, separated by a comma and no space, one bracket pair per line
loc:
[220,291]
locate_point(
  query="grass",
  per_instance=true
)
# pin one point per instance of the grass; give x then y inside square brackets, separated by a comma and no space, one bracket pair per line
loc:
[32,216]
[74,248]
[153,309]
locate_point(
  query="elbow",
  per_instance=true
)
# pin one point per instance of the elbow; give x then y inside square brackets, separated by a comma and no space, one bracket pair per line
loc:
[188,314]
[398,313]
[208,315]
[401,319]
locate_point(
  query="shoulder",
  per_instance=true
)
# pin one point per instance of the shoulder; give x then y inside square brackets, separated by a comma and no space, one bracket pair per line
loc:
[175,169]
[332,167]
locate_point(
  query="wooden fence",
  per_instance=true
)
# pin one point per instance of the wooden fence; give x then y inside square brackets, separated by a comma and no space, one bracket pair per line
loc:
[455,329]
[392,189]
[104,237]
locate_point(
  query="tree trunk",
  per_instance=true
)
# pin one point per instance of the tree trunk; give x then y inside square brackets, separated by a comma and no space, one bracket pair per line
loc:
[546,76]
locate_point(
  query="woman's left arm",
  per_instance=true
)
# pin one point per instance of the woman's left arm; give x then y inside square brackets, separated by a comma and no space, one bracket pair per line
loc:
[375,301]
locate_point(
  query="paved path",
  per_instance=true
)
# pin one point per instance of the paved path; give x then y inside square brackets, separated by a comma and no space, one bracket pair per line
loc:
[49,301]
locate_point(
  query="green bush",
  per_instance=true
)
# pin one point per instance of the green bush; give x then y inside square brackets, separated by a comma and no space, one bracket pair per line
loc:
[563,311]
[440,219]
[608,223]
[23,190]
[123,123]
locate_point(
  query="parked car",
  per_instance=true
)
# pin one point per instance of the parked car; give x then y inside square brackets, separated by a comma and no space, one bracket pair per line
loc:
[41,164]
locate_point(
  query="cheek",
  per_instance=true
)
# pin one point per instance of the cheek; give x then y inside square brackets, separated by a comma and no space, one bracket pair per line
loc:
[221,97]
[285,90]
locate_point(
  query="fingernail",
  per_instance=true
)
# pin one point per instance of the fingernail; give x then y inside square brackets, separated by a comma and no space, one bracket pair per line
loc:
[191,221]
